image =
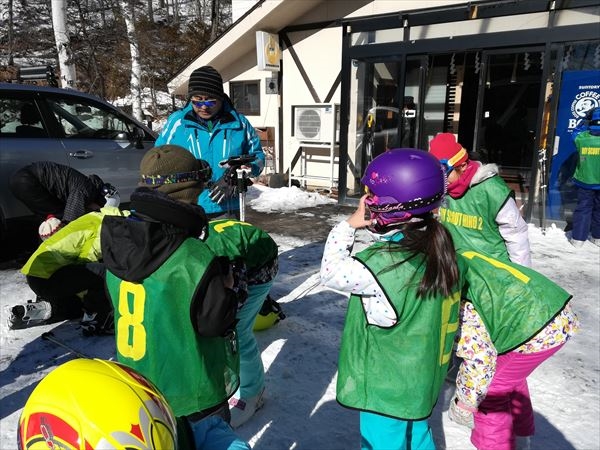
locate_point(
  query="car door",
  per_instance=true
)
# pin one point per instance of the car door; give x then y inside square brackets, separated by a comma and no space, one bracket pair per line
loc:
[98,138]
[25,136]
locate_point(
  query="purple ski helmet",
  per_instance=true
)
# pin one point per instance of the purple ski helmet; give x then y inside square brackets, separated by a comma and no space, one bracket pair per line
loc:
[403,182]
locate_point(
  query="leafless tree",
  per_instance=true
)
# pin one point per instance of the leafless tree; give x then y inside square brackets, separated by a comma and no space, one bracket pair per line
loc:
[150,11]
[214,23]
[136,67]
[10,33]
[99,43]
[63,43]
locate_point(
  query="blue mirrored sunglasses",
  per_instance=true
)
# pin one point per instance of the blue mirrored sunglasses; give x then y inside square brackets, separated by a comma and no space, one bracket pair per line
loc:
[447,166]
[201,103]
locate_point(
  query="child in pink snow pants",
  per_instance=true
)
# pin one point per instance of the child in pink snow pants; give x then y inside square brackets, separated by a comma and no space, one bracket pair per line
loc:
[512,320]
[507,409]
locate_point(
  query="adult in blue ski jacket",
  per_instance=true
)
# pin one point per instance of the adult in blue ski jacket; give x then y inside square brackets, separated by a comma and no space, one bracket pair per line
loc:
[212,130]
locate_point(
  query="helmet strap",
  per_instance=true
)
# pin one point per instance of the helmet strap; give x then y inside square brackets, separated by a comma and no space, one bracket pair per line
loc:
[404,206]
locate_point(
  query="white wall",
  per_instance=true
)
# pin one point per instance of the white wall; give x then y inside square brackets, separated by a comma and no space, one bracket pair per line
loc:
[268,102]
[321,55]
[320,50]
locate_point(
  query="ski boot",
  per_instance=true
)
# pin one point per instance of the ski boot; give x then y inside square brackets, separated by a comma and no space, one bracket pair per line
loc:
[97,324]
[31,313]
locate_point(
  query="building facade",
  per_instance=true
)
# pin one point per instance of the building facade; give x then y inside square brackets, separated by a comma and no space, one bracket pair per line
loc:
[510,79]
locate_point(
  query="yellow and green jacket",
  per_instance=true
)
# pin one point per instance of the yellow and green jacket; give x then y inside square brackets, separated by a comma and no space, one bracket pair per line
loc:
[78,242]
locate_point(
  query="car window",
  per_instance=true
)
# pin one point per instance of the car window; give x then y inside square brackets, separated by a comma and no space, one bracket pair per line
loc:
[21,118]
[86,120]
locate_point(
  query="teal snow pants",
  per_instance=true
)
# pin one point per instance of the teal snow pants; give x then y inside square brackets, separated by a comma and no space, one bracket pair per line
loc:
[379,432]
[252,372]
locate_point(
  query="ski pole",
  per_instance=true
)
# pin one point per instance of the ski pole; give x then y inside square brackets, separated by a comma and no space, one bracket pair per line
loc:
[241,171]
[543,188]
[49,336]
[241,185]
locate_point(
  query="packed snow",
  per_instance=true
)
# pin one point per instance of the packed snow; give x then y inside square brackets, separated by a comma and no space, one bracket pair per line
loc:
[300,353]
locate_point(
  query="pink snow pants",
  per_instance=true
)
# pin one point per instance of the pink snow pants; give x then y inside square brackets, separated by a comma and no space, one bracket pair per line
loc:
[506,411]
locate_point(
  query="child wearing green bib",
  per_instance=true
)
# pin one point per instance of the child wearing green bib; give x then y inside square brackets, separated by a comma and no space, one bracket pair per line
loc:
[586,216]
[404,301]
[503,339]
[252,249]
[480,210]
[175,301]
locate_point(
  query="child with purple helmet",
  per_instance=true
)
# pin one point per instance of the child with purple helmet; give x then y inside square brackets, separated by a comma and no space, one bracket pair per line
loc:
[404,300]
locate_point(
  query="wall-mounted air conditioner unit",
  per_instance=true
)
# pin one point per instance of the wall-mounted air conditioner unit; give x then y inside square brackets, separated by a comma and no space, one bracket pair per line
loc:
[319,122]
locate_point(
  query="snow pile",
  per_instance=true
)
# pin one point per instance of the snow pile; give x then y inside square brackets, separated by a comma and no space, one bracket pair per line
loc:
[264,199]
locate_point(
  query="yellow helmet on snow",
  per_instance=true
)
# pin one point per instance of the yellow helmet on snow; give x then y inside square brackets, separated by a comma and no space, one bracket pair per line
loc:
[96,404]
[270,313]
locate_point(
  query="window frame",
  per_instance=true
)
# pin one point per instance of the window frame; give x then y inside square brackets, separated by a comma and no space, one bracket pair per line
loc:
[244,85]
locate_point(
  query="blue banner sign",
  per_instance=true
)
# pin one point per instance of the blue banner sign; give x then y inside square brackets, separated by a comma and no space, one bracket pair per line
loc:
[579,93]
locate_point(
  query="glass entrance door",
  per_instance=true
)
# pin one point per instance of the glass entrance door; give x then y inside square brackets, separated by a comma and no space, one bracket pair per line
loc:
[374,115]
[508,116]
[385,109]
[489,100]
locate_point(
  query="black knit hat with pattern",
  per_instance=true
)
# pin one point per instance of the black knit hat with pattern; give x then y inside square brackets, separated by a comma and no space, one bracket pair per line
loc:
[206,81]
[173,170]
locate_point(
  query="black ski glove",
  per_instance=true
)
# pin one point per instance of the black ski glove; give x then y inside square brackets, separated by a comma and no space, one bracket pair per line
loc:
[225,187]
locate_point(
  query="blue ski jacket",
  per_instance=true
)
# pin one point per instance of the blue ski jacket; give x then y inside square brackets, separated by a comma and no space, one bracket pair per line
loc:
[214,141]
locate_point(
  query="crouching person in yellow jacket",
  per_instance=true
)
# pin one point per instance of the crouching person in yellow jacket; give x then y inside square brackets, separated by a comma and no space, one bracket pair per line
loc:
[67,275]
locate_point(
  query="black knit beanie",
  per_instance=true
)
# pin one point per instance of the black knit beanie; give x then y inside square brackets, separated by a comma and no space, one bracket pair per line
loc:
[206,81]
[175,171]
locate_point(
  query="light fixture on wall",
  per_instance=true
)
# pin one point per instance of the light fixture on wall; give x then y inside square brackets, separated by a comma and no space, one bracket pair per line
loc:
[513,77]
[271,85]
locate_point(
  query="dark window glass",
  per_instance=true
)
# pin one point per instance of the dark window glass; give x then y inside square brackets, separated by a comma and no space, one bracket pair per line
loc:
[245,96]
[22,119]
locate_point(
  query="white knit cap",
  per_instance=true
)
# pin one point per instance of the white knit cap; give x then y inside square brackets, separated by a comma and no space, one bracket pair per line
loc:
[49,226]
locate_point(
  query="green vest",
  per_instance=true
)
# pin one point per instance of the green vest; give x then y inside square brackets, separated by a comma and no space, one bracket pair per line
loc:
[155,336]
[235,239]
[588,166]
[515,302]
[471,219]
[397,371]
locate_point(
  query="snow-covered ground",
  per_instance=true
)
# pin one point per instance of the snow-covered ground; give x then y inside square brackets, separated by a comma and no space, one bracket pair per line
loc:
[300,353]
